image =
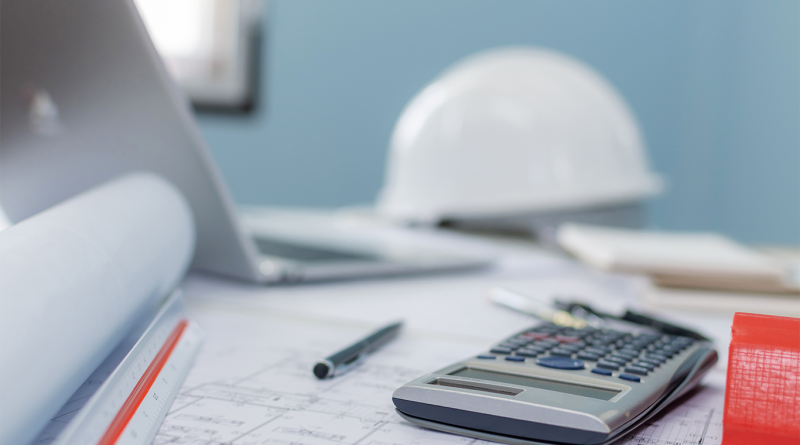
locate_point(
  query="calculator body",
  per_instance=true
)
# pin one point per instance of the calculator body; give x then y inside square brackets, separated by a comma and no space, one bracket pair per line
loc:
[533,388]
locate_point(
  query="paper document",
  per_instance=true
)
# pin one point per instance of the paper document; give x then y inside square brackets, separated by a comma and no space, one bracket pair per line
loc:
[696,420]
[252,384]
[686,260]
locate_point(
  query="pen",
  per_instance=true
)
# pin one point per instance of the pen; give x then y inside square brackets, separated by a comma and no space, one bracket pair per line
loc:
[344,360]
[517,302]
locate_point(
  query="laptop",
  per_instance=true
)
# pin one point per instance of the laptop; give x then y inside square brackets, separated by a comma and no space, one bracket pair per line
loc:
[85,98]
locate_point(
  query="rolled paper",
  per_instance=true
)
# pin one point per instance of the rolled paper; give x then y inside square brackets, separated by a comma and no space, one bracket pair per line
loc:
[74,279]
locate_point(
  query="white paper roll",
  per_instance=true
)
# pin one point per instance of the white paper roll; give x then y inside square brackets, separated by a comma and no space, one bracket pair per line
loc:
[73,280]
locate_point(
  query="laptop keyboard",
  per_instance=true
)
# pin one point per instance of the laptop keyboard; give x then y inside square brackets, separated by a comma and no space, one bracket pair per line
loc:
[282,249]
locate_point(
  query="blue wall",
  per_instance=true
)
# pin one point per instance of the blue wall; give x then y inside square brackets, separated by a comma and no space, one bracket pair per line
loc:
[715,86]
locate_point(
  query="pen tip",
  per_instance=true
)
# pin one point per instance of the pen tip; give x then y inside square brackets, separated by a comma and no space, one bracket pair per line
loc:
[321,370]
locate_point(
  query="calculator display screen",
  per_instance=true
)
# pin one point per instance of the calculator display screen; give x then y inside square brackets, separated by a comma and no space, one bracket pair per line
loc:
[533,382]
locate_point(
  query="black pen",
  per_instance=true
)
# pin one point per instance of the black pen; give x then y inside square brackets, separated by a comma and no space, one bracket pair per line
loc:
[342,361]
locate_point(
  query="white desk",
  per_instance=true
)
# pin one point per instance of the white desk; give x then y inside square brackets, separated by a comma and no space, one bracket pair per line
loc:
[253,383]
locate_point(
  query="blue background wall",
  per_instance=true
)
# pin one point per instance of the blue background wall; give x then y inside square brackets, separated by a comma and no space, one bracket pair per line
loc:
[715,86]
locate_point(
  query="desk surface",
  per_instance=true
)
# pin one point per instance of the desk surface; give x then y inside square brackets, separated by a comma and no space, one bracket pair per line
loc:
[253,383]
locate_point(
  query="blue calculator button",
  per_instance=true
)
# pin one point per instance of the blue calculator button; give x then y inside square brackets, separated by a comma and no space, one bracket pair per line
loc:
[487,357]
[514,358]
[601,371]
[632,378]
[560,363]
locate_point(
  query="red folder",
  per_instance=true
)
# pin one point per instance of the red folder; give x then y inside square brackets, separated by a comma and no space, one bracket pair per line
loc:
[762,397]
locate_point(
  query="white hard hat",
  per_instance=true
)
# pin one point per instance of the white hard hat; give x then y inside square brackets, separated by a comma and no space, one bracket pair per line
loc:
[509,131]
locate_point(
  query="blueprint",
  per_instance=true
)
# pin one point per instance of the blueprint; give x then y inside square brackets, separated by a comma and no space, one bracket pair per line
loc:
[696,421]
[252,385]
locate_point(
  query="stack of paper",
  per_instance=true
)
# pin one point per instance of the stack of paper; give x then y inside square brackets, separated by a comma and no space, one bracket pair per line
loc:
[696,260]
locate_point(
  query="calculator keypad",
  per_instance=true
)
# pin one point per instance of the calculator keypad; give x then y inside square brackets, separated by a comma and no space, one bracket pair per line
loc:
[604,350]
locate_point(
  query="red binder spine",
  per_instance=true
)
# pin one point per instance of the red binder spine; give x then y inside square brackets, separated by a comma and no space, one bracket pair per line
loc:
[762,397]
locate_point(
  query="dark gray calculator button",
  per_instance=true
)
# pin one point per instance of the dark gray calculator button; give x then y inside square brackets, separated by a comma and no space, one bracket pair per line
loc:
[636,370]
[656,357]
[561,352]
[588,356]
[501,350]
[514,358]
[629,377]
[598,351]
[645,365]
[651,361]
[607,365]
[618,360]
[601,371]
[536,335]
[560,363]
[527,353]
[486,357]
[624,355]
[567,338]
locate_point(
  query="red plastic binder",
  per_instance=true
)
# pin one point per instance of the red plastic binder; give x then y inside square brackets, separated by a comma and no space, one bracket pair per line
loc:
[762,397]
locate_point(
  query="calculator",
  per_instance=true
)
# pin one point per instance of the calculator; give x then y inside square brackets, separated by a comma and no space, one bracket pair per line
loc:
[551,384]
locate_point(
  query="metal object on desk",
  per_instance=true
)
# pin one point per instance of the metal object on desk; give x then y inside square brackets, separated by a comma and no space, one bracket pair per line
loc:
[553,384]
[542,311]
[349,357]
[131,404]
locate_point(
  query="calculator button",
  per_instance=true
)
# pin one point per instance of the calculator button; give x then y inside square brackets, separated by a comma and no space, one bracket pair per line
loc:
[546,328]
[651,361]
[629,377]
[588,356]
[514,358]
[560,363]
[598,351]
[536,335]
[636,370]
[561,352]
[607,365]
[626,355]
[659,357]
[501,350]
[567,338]
[601,371]
[527,353]
[645,365]
[618,360]
[486,357]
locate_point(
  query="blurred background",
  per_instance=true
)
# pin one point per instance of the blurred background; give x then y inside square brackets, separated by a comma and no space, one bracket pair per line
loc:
[302,113]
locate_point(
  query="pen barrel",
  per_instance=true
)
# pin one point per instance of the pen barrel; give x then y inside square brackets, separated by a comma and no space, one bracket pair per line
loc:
[349,357]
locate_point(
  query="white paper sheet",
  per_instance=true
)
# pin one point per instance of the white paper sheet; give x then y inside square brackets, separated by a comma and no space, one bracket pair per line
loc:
[73,281]
[253,385]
